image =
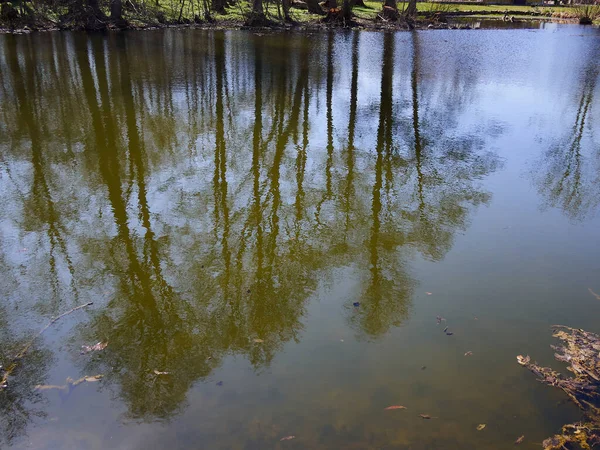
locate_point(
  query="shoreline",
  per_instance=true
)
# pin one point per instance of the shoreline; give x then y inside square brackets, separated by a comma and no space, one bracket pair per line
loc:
[423,23]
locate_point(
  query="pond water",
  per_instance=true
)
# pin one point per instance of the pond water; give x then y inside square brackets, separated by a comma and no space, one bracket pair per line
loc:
[277,220]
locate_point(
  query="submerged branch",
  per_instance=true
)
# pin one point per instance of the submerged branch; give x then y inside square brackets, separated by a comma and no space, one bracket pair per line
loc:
[15,361]
[581,350]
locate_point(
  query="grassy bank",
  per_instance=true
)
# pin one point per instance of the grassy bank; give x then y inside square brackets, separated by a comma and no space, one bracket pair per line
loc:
[188,13]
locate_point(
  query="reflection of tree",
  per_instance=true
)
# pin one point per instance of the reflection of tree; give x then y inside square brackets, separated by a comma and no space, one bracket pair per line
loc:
[567,181]
[219,197]
[18,401]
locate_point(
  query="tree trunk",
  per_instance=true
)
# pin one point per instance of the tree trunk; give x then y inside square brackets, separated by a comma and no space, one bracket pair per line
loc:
[116,10]
[411,9]
[257,8]
[286,10]
[95,7]
[347,10]
[314,7]
[218,6]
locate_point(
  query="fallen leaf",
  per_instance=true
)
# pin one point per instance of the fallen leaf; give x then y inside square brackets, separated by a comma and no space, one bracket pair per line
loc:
[594,294]
[258,341]
[389,408]
[93,379]
[449,333]
[469,353]
[424,367]
[341,340]
[476,318]
[93,348]
[445,329]
[481,426]
[287,438]
[426,416]
[429,293]
[519,440]
[523,360]
[158,372]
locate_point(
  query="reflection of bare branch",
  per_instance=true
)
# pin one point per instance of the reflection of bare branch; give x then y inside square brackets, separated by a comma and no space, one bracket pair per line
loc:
[12,366]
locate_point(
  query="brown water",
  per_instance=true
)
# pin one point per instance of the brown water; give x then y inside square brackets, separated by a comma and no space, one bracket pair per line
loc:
[224,198]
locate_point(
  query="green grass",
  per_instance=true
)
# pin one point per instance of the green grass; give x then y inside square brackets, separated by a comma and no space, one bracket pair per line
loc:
[238,12]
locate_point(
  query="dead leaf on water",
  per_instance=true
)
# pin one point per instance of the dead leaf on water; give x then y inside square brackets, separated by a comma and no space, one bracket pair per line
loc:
[481,426]
[287,438]
[519,440]
[258,341]
[429,293]
[93,348]
[426,416]
[158,372]
[469,353]
[389,408]
[93,379]
[523,360]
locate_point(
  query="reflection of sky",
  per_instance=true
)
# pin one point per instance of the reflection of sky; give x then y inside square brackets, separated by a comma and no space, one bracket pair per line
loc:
[506,92]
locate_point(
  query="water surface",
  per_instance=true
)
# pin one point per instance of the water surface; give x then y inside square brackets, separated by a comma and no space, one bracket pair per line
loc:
[225,199]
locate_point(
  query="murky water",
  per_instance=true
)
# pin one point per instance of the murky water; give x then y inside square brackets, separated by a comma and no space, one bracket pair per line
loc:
[276,221]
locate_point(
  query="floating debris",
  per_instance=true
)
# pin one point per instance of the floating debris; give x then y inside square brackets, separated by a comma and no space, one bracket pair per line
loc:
[390,408]
[71,384]
[287,438]
[158,372]
[445,329]
[519,439]
[15,361]
[356,304]
[481,426]
[423,367]
[581,351]
[594,294]
[469,353]
[475,318]
[219,383]
[93,348]
[449,333]
[429,293]
[426,416]
[258,341]
[439,319]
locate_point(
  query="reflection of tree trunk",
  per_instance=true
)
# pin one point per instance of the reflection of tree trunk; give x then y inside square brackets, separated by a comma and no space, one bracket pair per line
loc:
[301,158]
[348,193]
[42,196]
[256,155]
[384,122]
[329,113]
[137,153]
[329,99]
[220,178]
[414,82]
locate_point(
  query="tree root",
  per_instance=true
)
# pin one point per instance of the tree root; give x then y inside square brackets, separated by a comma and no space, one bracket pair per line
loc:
[581,350]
